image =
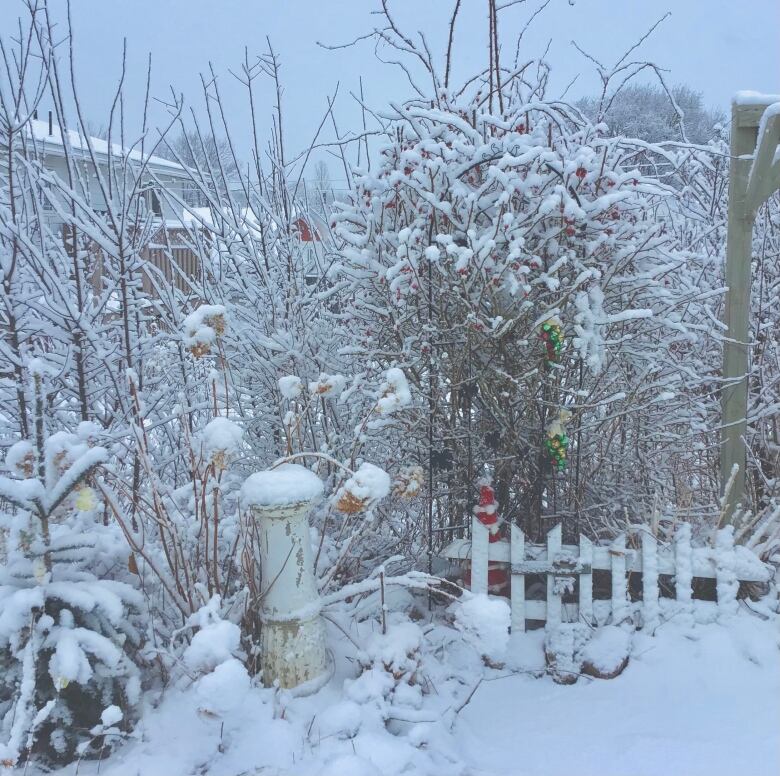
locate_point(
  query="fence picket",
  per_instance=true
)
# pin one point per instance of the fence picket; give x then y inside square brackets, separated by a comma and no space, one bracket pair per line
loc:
[517,587]
[727,585]
[650,609]
[479,557]
[586,581]
[619,588]
[683,577]
[554,542]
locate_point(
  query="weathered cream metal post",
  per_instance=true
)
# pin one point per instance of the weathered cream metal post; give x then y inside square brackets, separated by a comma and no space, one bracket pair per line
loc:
[293,649]
[754,176]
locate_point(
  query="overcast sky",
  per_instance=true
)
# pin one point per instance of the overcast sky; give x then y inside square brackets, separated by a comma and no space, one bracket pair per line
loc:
[715,46]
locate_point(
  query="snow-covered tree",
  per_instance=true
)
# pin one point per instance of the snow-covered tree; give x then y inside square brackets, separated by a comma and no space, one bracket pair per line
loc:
[68,632]
[649,113]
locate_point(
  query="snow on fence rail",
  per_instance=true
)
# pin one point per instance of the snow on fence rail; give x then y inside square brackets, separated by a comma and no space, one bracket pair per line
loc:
[563,563]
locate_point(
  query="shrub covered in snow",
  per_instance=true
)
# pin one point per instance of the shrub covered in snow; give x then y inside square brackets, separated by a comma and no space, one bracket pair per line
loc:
[397,651]
[67,630]
[484,622]
[477,226]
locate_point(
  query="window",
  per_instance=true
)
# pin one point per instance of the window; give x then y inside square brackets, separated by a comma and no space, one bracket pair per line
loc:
[153,201]
[156,204]
[46,197]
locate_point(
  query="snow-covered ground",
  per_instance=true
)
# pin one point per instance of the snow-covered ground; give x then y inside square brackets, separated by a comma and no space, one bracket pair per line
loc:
[701,703]
[701,700]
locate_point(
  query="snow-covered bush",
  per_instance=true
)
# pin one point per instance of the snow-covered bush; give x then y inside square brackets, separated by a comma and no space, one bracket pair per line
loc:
[484,623]
[68,628]
[390,681]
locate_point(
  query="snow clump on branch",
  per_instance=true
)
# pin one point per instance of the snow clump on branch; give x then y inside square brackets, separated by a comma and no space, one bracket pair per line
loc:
[363,489]
[290,387]
[202,327]
[221,439]
[329,386]
[394,393]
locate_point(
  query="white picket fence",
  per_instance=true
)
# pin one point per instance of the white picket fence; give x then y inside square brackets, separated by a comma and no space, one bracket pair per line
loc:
[561,563]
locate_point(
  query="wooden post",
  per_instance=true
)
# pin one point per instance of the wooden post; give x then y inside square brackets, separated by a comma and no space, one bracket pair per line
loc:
[517,586]
[554,544]
[586,581]
[480,543]
[727,584]
[683,572]
[617,551]
[650,609]
[756,168]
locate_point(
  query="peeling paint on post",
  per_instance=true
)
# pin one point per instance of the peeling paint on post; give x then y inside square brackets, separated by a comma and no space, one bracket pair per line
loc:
[293,650]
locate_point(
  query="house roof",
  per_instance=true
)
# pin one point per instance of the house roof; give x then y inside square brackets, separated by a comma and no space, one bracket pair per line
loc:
[53,143]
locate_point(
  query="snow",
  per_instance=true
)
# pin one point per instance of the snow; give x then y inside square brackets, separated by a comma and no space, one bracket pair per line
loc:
[286,484]
[91,458]
[394,393]
[213,644]
[342,720]
[111,716]
[484,623]
[69,663]
[541,216]
[703,706]
[368,484]
[748,98]
[290,386]
[349,765]
[772,110]
[674,710]
[21,491]
[202,326]
[684,568]
[20,458]
[225,688]
[55,141]
[330,386]
[221,435]
[396,650]
[607,649]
